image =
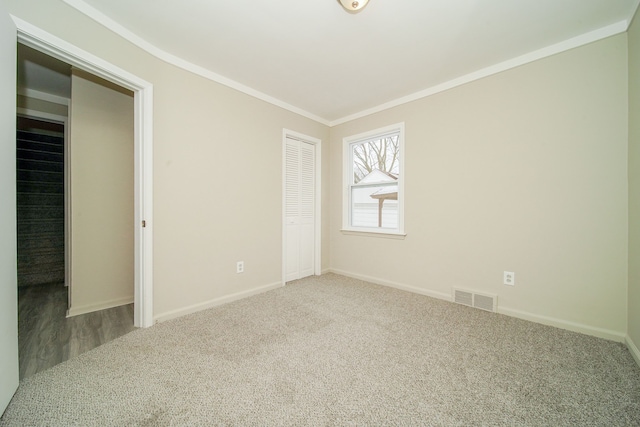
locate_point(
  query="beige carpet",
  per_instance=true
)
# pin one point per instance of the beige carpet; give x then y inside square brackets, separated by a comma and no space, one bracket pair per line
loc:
[336,351]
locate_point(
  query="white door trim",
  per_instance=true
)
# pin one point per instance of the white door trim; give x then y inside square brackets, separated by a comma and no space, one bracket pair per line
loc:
[143,151]
[286,133]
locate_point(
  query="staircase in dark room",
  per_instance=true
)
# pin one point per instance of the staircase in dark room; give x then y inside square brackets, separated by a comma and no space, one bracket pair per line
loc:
[40,203]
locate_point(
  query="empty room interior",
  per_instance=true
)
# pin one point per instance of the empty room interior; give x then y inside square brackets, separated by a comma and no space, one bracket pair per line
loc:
[321,213]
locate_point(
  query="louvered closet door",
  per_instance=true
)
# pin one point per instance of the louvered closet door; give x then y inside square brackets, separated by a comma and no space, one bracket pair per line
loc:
[299,209]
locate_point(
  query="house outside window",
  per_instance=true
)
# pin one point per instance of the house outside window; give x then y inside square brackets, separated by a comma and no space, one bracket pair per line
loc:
[373,177]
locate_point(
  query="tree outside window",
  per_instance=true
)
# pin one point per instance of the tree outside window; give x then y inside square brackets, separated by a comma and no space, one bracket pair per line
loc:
[381,154]
[374,171]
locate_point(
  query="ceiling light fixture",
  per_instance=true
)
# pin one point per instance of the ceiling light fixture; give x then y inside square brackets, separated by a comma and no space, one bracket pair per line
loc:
[353,5]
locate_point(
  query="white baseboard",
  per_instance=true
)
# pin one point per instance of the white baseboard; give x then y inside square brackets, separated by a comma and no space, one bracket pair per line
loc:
[607,334]
[403,287]
[633,348]
[558,323]
[214,302]
[75,311]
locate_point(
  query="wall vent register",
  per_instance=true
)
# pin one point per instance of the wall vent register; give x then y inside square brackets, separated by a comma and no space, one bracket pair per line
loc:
[482,301]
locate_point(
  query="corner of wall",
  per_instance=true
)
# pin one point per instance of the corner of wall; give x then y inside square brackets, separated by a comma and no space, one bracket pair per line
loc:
[633,173]
[633,348]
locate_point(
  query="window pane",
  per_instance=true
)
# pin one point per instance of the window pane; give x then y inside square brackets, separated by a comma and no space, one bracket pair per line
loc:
[374,207]
[377,160]
[373,199]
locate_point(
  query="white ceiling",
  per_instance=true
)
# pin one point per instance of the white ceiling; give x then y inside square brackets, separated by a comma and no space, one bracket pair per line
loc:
[332,65]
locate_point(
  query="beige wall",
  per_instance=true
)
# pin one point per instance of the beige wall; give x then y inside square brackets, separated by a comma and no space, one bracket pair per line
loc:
[218,190]
[101,165]
[217,170]
[634,184]
[523,171]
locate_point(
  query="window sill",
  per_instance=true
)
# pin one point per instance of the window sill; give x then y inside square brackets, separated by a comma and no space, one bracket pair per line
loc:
[382,234]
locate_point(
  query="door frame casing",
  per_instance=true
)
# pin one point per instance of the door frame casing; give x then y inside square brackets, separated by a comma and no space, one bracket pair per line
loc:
[51,45]
[317,237]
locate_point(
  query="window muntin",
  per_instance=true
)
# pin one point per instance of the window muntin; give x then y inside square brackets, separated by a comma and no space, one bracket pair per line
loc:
[373,175]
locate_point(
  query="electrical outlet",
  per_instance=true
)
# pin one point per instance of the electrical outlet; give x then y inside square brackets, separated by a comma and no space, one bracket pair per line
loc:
[240,267]
[509,278]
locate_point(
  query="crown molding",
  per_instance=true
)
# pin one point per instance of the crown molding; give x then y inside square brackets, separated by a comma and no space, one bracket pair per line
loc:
[167,57]
[581,40]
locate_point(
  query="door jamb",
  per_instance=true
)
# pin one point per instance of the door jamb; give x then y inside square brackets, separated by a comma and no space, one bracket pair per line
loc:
[286,133]
[51,45]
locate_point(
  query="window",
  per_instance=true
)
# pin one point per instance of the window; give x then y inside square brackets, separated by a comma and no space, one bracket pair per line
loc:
[373,177]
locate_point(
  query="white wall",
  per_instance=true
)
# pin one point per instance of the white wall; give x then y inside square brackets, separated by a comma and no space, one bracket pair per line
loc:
[101,194]
[8,259]
[523,171]
[217,170]
[634,186]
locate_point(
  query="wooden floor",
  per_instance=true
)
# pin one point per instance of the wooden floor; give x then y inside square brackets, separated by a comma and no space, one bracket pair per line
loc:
[47,337]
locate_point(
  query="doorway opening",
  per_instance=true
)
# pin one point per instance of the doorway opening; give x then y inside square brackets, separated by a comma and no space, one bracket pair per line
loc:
[65,311]
[57,48]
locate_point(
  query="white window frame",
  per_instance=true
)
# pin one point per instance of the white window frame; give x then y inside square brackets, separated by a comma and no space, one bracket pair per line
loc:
[347,180]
